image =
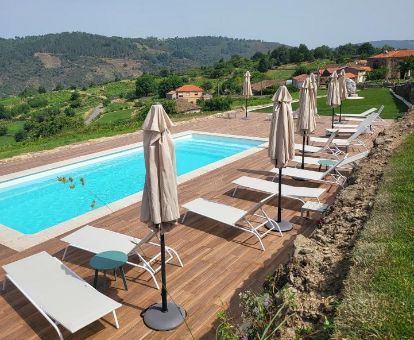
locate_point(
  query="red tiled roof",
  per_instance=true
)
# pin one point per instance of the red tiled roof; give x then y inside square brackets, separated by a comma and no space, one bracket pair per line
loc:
[300,77]
[189,88]
[330,69]
[394,54]
[350,75]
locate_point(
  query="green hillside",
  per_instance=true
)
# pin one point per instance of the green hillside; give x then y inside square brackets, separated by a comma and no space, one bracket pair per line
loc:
[82,59]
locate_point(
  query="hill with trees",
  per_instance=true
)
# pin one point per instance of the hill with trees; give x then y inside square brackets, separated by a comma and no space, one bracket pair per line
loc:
[81,59]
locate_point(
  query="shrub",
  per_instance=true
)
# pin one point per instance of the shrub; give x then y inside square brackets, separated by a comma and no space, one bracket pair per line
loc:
[75,103]
[378,73]
[20,109]
[20,135]
[41,89]
[69,111]
[106,102]
[75,96]
[4,113]
[3,130]
[216,104]
[145,86]
[37,102]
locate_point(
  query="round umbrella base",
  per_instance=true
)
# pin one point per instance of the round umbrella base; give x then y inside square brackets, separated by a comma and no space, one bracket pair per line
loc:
[283,225]
[158,320]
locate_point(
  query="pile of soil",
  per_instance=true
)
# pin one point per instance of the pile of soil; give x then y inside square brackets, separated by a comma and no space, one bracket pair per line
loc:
[320,263]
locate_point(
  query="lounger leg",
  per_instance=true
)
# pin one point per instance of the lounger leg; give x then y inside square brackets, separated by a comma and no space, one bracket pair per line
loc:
[95,280]
[121,269]
[4,283]
[116,319]
[185,215]
[176,255]
[155,280]
[64,253]
[234,191]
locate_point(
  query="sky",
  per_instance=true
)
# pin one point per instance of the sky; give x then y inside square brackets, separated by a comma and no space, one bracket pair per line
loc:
[313,22]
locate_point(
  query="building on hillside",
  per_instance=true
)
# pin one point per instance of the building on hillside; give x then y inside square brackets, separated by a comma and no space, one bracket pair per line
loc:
[260,86]
[391,61]
[297,81]
[359,70]
[190,92]
[326,72]
[171,95]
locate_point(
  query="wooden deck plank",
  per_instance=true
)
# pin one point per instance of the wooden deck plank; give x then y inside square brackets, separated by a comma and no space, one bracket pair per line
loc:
[219,261]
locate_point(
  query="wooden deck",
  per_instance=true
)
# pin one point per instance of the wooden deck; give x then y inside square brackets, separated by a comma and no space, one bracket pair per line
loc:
[219,261]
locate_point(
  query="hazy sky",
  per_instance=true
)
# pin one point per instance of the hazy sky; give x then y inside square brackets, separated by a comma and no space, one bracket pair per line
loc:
[313,22]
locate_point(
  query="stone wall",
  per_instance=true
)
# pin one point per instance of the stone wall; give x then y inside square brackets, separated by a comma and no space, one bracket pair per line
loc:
[406,91]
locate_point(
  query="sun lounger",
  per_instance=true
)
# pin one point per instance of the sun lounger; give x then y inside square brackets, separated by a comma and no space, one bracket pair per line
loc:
[327,147]
[312,175]
[358,115]
[97,240]
[234,217]
[353,139]
[363,126]
[58,293]
[269,187]
[311,160]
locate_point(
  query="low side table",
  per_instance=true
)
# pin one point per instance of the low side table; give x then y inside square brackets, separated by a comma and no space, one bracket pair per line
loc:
[326,163]
[310,206]
[109,260]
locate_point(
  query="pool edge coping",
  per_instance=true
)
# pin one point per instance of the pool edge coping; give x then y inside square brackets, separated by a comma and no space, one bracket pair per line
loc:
[18,241]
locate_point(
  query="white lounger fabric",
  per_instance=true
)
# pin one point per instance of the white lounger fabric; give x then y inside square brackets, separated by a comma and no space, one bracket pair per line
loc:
[58,291]
[359,115]
[273,188]
[310,160]
[97,240]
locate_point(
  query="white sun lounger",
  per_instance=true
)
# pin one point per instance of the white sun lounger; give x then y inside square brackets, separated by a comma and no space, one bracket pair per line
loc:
[358,115]
[327,147]
[321,176]
[234,217]
[58,293]
[310,160]
[353,139]
[298,193]
[363,126]
[97,240]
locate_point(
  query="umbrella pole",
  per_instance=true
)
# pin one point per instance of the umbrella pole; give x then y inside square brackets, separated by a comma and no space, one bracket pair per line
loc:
[340,113]
[163,316]
[303,150]
[246,107]
[279,208]
[333,117]
[164,307]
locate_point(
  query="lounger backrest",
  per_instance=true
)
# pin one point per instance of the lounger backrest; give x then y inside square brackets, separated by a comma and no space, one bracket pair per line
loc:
[354,158]
[364,124]
[368,112]
[333,167]
[330,139]
[257,206]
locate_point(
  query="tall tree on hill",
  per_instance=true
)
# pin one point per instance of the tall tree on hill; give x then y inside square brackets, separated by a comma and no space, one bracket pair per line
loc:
[365,50]
[145,85]
[168,84]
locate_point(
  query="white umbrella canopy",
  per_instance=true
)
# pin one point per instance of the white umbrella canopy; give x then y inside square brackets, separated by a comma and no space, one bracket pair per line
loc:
[314,92]
[160,199]
[281,145]
[281,138]
[343,93]
[306,122]
[247,88]
[159,207]
[333,98]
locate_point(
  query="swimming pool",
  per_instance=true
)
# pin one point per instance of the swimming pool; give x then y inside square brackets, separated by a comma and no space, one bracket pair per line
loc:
[36,202]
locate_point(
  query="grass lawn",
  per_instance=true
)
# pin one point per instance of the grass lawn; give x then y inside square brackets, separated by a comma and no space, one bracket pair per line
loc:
[280,74]
[379,296]
[115,116]
[374,97]
[12,128]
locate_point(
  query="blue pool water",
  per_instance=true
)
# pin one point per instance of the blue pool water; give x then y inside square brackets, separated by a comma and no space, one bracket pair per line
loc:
[40,203]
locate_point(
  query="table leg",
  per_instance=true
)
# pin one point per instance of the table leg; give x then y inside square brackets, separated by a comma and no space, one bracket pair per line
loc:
[121,269]
[95,280]
[320,166]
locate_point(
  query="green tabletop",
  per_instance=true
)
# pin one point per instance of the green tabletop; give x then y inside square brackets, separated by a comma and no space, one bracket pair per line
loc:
[108,260]
[326,162]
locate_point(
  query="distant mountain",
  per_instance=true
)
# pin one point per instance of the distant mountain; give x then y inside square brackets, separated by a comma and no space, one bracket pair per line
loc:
[403,44]
[81,59]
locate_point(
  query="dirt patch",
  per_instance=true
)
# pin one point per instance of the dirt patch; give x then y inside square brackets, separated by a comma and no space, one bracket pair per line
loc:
[48,60]
[320,263]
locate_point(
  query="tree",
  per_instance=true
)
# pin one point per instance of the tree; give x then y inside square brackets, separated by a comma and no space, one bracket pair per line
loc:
[20,136]
[41,89]
[406,65]
[216,104]
[168,84]
[264,64]
[281,54]
[257,56]
[145,85]
[37,102]
[4,113]
[322,52]
[3,130]
[58,87]
[75,96]
[207,85]
[365,49]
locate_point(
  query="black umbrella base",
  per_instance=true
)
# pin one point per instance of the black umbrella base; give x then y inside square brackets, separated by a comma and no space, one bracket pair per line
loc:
[157,320]
[283,225]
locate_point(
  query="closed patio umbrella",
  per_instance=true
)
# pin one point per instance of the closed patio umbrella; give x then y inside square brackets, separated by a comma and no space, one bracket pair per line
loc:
[247,88]
[343,93]
[281,142]
[314,92]
[306,114]
[333,98]
[160,209]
